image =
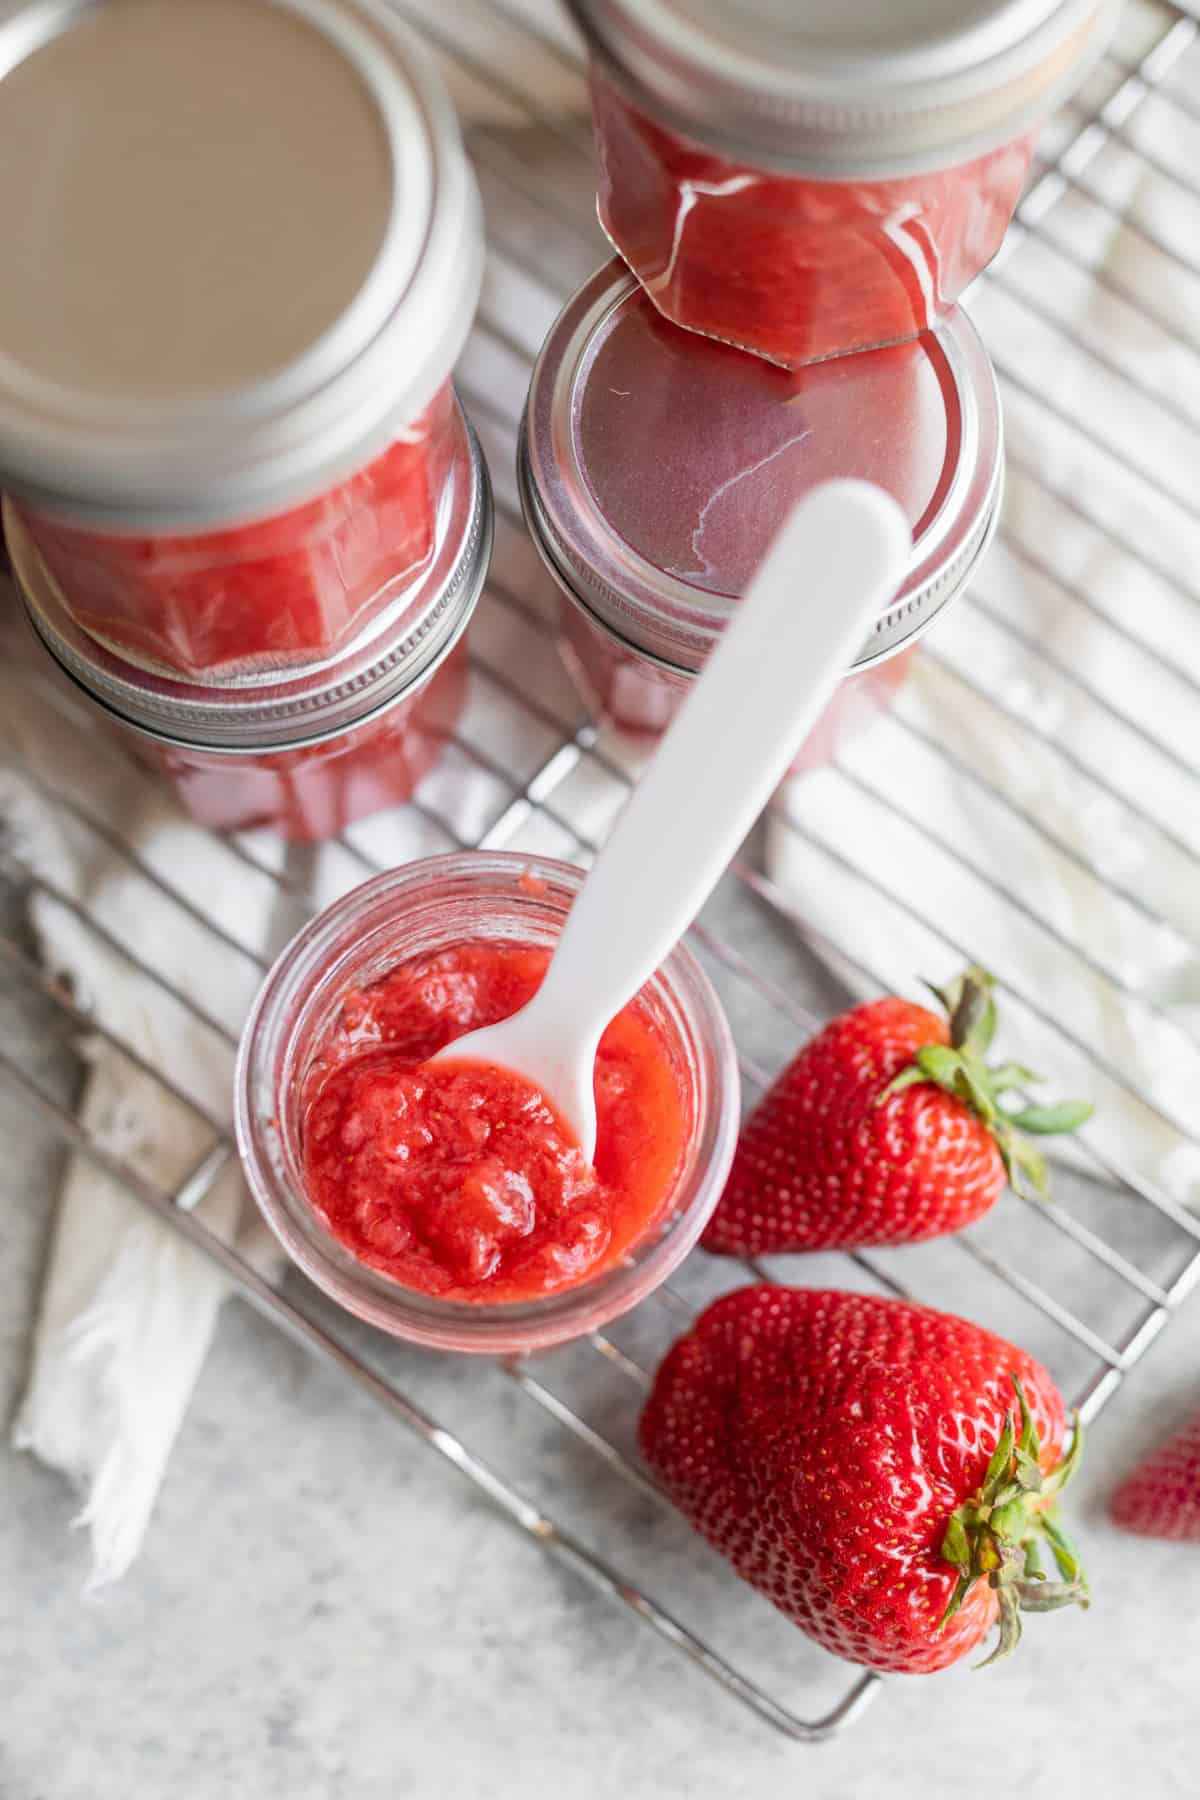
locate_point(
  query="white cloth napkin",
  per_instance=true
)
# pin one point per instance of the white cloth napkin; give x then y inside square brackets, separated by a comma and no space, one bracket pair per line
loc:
[128,1309]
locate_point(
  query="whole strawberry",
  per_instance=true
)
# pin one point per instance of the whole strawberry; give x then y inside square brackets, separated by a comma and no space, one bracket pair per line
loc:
[884,1473]
[887,1128]
[1162,1497]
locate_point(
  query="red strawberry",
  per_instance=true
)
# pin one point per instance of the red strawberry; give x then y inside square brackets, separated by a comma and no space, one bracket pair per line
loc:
[885,1129]
[1162,1497]
[858,1460]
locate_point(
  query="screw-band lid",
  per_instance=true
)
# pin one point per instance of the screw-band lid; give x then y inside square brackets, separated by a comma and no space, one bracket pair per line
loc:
[862,88]
[655,465]
[242,246]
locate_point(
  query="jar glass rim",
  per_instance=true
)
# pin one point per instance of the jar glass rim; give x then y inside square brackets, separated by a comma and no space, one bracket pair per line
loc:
[313,971]
[663,614]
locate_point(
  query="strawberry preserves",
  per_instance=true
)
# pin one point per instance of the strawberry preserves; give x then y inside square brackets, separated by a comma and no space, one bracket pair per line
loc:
[460,1179]
[305,751]
[315,790]
[448,1203]
[795,270]
[289,589]
[803,181]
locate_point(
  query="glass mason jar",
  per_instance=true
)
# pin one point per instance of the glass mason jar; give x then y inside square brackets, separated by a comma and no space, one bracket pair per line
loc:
[802,180]
[305,751]
[414,911]
[225,348]
[655,467]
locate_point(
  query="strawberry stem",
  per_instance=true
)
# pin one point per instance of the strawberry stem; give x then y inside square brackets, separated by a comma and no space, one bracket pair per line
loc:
[958,1068]
[994,1536]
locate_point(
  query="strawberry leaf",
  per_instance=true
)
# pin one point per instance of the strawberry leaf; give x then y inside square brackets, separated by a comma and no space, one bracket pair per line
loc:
[1005,1076]
[1048,1596]
[910,1077]
[959,1070]
[973,1087]
[973,1020]
[1024,1166]
[995,1535]
[962,1588]
[1010,1628]
[1000,1462]
[1065,1555]
[1028,1441]
[939,1064]
[1056,1482]
[956,1548]
[1049,1121]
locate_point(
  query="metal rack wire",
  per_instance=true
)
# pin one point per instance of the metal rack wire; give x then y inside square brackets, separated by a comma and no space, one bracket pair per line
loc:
[1090,1284]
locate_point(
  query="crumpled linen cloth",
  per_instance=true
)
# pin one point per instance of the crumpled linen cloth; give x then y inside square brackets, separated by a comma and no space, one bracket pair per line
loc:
[128,1309]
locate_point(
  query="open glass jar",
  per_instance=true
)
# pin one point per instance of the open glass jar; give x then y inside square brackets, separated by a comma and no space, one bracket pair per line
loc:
[424,908]
[226,335]
[803,180]
[305,751]
[655,466]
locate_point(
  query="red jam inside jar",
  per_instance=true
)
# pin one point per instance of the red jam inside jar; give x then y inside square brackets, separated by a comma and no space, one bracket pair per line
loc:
[315,791]
[795,269]
[460,1180]
[286,590]
[305,752]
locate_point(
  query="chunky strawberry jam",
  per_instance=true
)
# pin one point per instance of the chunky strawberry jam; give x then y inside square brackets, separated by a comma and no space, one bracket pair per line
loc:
[460,1179]
[795,269]
[280,591]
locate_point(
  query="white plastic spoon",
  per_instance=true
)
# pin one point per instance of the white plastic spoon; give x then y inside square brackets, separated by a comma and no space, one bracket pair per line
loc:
[831,567]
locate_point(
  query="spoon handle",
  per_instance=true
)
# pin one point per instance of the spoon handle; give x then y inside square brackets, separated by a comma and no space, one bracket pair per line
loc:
[830,569]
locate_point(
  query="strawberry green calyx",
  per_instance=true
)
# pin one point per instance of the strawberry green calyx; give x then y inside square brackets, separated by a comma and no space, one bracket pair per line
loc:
[959,1068]
[996,1535]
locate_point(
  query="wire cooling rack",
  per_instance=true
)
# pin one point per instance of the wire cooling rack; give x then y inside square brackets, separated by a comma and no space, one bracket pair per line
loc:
[1054,834]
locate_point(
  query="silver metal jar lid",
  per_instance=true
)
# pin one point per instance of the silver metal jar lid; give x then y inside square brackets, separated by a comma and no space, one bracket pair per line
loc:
[655,465]
[280,710]
[242,247]
[863,87]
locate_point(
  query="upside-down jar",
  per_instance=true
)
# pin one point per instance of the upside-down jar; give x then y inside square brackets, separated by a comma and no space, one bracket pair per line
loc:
[804,179]
[655,466]
[433,927]
[303,751]
[242,251]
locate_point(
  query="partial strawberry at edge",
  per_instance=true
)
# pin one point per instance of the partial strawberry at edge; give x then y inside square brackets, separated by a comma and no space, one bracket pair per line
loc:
[1161,1498]
[882,1472]
[887,1128]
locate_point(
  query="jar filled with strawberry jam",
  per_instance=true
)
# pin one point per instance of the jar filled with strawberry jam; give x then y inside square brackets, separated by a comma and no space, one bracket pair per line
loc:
[304,751]
[803,178]
[453,1208]
[655,466]
[242,251]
